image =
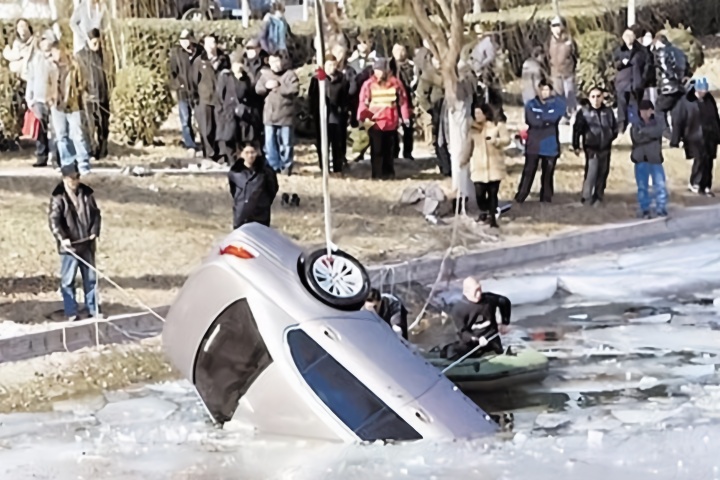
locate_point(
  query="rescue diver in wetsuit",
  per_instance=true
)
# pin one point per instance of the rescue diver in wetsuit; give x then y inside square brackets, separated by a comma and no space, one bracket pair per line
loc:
[474,318]
[389,308]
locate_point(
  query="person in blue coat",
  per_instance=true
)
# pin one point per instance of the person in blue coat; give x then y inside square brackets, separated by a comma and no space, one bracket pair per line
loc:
[542,115]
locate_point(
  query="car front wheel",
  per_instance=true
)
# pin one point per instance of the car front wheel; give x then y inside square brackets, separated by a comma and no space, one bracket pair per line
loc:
[339,280]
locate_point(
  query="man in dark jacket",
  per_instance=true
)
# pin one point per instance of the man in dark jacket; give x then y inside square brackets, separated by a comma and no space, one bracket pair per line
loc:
[97,97]
[430,97]
[696,123]
[646,133]
[404,70]
[671,70]
[74,220]
[632,62]
[237,120]
[542,115]
[205,70]
[595,124]
[182,82]
[474,317]
[390,309]
[253,186]
[280,86]
[338,103]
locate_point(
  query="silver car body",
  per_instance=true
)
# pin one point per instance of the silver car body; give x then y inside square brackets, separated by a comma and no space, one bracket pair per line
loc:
[279,398]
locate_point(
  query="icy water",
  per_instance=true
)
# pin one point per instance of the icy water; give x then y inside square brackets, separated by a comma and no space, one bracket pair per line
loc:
[633,393]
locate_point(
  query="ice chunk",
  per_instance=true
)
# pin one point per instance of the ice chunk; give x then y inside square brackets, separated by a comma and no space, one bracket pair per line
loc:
[595,438]
[645,416]
[552,421]
[661,318]
[146,409]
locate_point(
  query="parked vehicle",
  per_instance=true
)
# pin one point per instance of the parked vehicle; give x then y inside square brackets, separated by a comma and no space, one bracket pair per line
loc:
[273,337]
[229,9]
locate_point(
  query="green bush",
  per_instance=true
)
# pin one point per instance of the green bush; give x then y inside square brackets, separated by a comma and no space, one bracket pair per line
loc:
[140,103]
[595,67]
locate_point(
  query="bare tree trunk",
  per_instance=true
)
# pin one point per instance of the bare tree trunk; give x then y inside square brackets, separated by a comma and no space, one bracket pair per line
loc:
[556,7]
[458,130]
[477,7]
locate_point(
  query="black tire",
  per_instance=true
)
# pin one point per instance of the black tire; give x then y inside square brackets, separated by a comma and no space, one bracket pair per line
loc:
[346,303]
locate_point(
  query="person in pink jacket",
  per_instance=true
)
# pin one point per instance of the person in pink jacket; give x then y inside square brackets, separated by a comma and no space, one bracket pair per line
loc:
[383,103]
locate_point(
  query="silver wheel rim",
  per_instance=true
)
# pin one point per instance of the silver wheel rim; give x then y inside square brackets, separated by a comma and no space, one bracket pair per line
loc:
[337,276]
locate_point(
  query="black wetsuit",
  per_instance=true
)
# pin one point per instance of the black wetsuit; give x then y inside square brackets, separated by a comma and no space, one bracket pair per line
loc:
[478,320]
[394,313]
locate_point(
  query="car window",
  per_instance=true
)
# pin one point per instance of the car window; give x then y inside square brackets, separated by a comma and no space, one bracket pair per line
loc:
[348,398]
[231,356]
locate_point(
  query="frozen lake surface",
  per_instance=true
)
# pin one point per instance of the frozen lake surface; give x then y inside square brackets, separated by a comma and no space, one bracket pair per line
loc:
[633,393]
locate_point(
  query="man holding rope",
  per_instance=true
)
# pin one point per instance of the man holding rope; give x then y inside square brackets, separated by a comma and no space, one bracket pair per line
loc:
[74,220]
[474,318]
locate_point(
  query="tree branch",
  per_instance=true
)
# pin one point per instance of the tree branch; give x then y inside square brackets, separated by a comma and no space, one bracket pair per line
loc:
[428,29]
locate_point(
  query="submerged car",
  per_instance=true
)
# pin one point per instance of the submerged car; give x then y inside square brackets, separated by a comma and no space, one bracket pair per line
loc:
[274,337]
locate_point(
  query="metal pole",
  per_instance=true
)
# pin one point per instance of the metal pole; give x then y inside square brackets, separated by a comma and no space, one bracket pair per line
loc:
[322,89]
[479,346]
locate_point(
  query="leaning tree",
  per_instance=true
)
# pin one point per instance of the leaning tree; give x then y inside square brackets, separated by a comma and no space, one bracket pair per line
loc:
[441,24]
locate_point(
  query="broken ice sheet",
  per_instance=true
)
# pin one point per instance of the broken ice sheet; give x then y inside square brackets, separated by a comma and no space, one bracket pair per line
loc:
[644,416]
[146,409]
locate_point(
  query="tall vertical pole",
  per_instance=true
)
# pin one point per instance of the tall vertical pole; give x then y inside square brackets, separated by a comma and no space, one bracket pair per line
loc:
[322,89]
[631,13]
[245,13]
[306,9]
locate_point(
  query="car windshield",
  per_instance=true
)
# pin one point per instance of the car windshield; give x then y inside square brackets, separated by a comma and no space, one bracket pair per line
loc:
[231,356]
[348,398]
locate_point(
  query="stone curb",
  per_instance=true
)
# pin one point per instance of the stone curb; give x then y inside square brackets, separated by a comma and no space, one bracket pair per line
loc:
[631,234]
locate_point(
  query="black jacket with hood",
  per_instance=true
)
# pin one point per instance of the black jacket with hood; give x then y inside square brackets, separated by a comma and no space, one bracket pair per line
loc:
[696,123]
[253,191]
[66,222]
[597,127]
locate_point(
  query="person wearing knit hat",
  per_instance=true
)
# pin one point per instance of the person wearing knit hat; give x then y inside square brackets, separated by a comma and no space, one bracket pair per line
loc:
[697,125]
[383,104]
[646,133]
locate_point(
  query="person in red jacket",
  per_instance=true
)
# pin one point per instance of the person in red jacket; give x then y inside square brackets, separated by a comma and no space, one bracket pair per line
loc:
[383,101]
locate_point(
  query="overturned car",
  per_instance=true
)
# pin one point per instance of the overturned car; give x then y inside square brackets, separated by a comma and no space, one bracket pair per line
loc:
[274,337]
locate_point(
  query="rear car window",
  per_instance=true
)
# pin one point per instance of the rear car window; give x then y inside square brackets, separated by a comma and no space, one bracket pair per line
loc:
[231,356]
[348,398]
